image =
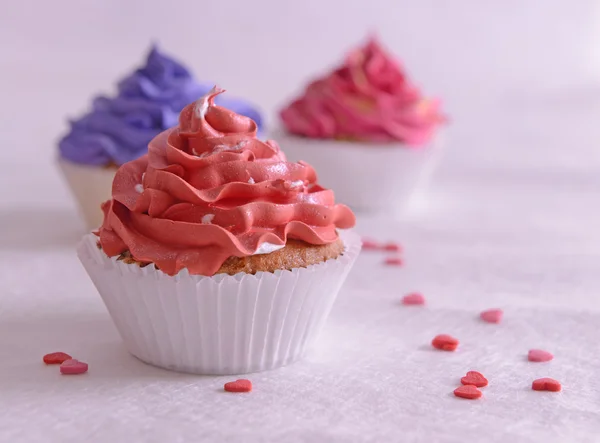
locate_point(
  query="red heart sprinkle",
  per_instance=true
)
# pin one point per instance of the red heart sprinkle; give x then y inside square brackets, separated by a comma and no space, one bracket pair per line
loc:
[492,315]
[546,384]
[444,342]
[72,366]
[538,355]
[56,358]
[370,245]
[474,378]
[392,247]
[241,385]
[394,261]
[414,298]
[469,392]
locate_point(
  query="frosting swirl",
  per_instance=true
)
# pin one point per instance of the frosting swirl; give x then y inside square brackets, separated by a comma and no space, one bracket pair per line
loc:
[118,129]
[367,98]
[209,189]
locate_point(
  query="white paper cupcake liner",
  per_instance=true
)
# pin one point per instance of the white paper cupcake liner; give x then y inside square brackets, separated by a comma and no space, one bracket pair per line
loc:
[368,177]
[222,324]
[91,186]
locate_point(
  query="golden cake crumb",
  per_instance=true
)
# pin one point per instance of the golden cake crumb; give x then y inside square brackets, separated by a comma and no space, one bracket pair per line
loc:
[295,254]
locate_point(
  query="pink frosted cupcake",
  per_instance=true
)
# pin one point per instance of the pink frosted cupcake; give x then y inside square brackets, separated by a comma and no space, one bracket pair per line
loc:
[367,130]
[216,254]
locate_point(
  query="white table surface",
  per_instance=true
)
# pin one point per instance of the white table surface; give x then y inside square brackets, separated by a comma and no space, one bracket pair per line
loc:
[512,222]
[511,228]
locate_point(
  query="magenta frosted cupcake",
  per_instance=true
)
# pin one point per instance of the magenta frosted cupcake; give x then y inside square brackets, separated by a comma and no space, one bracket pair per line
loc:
[367,129]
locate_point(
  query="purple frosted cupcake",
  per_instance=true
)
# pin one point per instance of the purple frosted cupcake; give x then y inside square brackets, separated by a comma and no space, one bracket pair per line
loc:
[118,129]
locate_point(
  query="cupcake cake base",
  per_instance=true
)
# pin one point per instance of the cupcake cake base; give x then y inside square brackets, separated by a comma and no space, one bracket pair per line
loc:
[225,324]
[295,254]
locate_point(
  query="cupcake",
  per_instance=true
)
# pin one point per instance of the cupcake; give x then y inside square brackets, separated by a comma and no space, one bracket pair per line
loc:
[118,129]
[216,254]
[369,132]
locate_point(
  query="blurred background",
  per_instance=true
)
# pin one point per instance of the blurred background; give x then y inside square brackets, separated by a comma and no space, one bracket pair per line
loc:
[519,78]
[264,49]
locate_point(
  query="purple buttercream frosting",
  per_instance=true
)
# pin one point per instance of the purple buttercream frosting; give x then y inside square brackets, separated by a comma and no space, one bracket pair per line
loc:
[118,129]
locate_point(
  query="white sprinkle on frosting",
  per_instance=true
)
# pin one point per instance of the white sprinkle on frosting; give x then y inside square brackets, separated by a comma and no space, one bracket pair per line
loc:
[207,219]
[251,181]
[236,147]
[296,183]
[267,248]
[139,188]
[201,107]
[221,148]
[240,145]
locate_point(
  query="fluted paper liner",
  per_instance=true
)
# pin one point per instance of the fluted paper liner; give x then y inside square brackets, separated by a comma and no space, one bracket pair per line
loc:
[91,186]
[368,177]
[221,324]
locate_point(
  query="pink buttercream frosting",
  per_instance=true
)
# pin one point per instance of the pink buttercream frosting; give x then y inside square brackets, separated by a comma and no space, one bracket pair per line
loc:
[208,190]
[368,98]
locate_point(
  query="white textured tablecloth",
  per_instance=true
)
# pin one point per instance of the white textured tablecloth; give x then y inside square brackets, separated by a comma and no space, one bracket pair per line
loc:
[512,222]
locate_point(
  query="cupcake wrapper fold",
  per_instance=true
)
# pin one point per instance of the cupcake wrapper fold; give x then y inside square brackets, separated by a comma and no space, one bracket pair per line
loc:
[221,324]
[91,186]
[369,177]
